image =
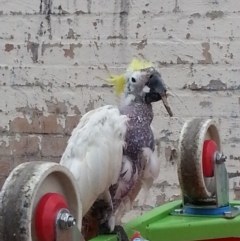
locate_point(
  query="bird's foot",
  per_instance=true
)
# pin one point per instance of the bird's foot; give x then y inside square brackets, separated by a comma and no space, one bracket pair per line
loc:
[120,232]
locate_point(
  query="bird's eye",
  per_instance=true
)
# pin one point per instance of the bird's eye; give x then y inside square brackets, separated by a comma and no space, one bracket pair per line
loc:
[151,76]
[133,80]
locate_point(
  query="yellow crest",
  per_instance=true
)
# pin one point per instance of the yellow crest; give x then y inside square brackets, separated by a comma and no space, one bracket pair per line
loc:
[119,81]
[138,64]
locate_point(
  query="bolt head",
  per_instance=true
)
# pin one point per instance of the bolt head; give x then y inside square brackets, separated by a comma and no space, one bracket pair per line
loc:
[71,221]
[220,158]
[65,219]
[178,211]
[228,214]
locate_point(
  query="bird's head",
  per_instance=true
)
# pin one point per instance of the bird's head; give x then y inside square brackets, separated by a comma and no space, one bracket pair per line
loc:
[141,80]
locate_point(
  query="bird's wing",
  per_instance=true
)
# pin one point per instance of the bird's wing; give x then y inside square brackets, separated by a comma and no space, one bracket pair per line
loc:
[144,183]
[94,152]
[150,173]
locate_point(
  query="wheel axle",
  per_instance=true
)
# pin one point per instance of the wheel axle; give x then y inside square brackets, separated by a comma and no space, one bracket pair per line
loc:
[65,220]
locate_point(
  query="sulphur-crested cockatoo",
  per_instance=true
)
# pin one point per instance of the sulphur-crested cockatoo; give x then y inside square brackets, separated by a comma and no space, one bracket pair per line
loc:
[112,153]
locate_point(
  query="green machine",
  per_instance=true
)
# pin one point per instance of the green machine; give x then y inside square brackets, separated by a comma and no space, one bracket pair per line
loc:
[205,212]
[40,201]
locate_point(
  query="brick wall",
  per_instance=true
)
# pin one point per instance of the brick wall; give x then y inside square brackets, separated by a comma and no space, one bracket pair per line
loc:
[52,52]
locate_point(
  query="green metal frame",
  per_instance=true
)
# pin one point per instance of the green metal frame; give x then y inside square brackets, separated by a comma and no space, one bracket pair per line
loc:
[159,225]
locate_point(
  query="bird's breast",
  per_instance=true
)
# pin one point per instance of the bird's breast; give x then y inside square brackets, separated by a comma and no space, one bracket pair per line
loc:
[139,135]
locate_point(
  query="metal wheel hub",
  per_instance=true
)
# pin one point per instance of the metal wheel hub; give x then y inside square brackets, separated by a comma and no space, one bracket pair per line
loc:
[52,210]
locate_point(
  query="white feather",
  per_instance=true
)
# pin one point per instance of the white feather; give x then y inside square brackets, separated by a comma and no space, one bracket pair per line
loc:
[123,182]
[127,204]
[128,99]
[112,223]
[146,89]
[119,213]
[124,207]
[151,171]
[94,152]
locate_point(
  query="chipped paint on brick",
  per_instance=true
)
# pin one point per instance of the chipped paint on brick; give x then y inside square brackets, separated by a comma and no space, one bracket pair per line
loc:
[4,141]
[140,45]
[33,47]
[205,103]
[213,85]
[206,54]
[9,47]
[61,121]
[160,199]
[70,52]
[214,14]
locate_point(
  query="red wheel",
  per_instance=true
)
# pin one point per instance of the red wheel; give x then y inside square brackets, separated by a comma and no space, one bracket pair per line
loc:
[42,187]
[209,149]
[46,212]
[198,141]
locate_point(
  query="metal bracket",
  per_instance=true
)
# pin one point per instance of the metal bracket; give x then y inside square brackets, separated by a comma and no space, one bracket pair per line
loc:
[221,194]
[221,180]
[218,205]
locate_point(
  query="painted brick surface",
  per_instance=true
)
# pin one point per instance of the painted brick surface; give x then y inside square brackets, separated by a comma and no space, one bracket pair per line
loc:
[53,51]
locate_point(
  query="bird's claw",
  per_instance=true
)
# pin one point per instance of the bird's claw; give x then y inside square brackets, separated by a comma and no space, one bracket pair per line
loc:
[121,234]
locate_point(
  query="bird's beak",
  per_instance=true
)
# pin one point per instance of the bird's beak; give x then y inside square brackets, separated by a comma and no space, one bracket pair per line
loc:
[157,91]
[165,103]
